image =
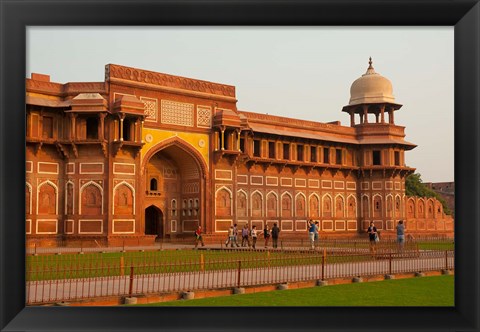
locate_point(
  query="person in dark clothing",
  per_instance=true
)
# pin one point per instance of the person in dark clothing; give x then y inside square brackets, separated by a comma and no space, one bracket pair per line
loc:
[373,237]
[266,235]
[275,233]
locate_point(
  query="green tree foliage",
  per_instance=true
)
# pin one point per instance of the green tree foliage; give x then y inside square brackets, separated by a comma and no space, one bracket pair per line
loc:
[414,186]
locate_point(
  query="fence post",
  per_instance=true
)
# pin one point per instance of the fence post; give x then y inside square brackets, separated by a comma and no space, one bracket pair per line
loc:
[239,272]
[323,262]
[130,289]
[202,263]
[122,266]
[446,259]
[35,249]
[390,264]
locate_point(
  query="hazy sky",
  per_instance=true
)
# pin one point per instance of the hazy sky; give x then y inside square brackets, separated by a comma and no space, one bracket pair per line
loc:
[299,72]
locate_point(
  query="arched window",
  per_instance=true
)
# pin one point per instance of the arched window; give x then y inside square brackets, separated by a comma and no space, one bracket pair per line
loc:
[377,206]
[257,210]
[222,202]
[241,204]
[327,206]
[286,206]
[272,205]
[300,206]
[153,184]
[314,204]
[339,207]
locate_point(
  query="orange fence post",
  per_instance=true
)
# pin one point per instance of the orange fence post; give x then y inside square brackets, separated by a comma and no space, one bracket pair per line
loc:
[130,289]
[239,272]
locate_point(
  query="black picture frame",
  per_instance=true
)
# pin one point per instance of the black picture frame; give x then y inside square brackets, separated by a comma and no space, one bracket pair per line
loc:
[17,15]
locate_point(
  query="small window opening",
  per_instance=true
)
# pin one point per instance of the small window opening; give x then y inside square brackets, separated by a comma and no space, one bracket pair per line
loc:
[153,184]
[326,155]
[397,158]
[300,152]
[256,148]
[313,154]
[271,150]
[376,157]
[92,128]
[286,151]
[338,156]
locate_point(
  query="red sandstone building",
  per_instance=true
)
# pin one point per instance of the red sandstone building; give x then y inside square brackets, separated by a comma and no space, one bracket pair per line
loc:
[145,155]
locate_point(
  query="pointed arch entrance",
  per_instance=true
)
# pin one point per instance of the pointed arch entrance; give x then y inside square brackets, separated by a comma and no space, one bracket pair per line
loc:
[154,221]
[175,178]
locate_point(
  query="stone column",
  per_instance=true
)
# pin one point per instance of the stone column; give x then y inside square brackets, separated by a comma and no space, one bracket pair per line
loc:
[382,113]
[135,132]
[390,116]
[365,113]
[238,139]
[101,134]
[352,118]
[223,138]
[122,117]
[141,130]
[73,135]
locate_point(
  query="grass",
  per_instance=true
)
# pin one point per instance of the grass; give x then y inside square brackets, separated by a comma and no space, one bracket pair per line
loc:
[46,267]
[425,291]
[70,266]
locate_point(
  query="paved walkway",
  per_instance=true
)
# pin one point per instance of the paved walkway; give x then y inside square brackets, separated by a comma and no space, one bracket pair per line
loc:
[49,291]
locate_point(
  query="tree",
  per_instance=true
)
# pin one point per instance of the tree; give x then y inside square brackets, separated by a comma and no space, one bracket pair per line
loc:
[414,186]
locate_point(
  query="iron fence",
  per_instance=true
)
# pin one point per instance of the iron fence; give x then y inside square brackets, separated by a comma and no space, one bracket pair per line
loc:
[356,245]
[63,281]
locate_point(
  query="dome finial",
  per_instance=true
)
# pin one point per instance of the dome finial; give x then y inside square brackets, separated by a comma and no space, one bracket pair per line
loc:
[370,63]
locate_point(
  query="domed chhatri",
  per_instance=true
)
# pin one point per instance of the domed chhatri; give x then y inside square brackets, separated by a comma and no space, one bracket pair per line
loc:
[371,88]
[371,94]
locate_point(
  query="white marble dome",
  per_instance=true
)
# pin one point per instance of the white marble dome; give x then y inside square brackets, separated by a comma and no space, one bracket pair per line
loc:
[371,88]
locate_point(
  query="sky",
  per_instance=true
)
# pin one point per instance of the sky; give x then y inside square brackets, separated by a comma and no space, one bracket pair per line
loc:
[298,72]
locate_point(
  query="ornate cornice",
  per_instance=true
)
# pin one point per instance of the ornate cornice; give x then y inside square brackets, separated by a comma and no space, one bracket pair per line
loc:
[159,79]
[63,90]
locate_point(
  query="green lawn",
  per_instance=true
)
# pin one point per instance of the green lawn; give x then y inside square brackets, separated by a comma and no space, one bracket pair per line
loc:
[69,266]
[425,291]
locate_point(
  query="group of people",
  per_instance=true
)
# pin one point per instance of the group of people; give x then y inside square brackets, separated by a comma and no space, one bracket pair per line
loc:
[274,232]
[254,234]
[374,236]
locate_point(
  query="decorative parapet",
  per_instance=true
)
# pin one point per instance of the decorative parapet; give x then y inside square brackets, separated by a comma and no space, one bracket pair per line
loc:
[289,122]
[160,79]
[64,90]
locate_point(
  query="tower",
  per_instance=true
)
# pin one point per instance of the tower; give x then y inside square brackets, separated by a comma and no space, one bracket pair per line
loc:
[381,152]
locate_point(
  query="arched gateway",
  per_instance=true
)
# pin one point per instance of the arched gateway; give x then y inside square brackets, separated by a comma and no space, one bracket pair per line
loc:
[174,176]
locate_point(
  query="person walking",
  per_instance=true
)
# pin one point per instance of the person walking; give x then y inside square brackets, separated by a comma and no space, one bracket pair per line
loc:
[245,239]
[254,236]
[230,238]
[198,236]
[311,233]
[373,237]
[317,229]
[266,235]
[235,235]
[275,233]
[400,235]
